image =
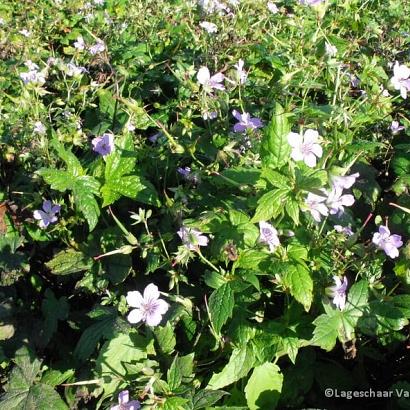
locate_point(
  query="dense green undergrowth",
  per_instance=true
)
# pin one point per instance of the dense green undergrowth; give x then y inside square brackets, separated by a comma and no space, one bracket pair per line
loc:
[204,205]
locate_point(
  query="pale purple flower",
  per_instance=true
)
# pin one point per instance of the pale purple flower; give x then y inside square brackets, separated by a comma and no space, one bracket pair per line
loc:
[47,215]
[192,238]
[336,201]
[210,82]
[39,128]
[343,229]
[240,72]
[338,292]
[125,404]
[74,71]
[209,27]
[400,79]
[154,138]
[184,171]
[209,115]
[31,66]
[388,243]
[268,235]
[344,182]
[310,2]
[246,122]
[104,144]
[97,48]
[316,205]
[33,76]
[395,127]
[149,308]
[79,44]
[330,49]
[272,7]
[305,148]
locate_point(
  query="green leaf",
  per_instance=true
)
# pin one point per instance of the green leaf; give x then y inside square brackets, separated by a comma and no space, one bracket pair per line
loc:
[270,205]
[84,190]
[241,361]
[59,180]
[174,375]
[69,261]
[123,348]
[165,338]
[221,304]
[205,398]
[105,326]
[264,387]
[53,310]
[275,178]
[298,279]
[275,149]
[326,331]
[292,209]
[74,167]
[54,377]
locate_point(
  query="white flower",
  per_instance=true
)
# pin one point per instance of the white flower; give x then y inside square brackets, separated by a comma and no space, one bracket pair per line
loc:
[39,128]
[74,71]
[316,205]
[99,2]
[192,238]
[25,32]
[336,201]
[344,182]
[208,82]
[395,127]
[148,308]
[97,48]
[272,7]
[400,79]
[305,148]
[209,115]
[33,77]
[269,235]
[79,44]
[338,292]
[241,73]
[130,126]
[330,49]
[2,22]
[209,27]
[31,66]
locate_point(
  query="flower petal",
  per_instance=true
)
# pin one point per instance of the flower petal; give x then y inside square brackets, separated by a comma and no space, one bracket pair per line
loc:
[135,316]
[310,136]
[161,306]
[294,139]
[154,318]
[47,206]
[135,299]
[151,292]
[310,160]
[123,397]
[203,75]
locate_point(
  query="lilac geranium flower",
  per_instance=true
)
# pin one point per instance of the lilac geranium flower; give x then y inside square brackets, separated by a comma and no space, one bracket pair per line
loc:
[210,82]
[39,128]
[305,148]
[149,308]
[338,292]
[97,48]
[47,215]
[344,182]
[400,79]
[246,122]
[79,44]
[104,144]
[390,244]
[316,205]
[268,235]
[272,7]
[184,171]
[125,404]
[192,238]
[395,127]
[336,201]
[209,27]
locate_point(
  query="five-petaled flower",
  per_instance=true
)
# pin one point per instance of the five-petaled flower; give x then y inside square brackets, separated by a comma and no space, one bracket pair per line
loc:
[400,79]
[268,235]
[338,292]
[305,148]
[316,205]
[149,308]
[395,127]
[47,216]
[104,144]
[390,244]
[124,402]
[246,122]
[344,182]
[336,201]
[192,238]
[210,82]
